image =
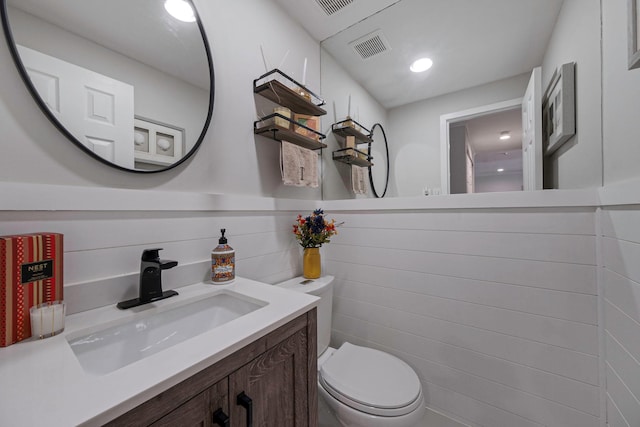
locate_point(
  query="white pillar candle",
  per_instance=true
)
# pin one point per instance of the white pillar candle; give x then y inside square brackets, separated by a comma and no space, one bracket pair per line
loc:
[47,319]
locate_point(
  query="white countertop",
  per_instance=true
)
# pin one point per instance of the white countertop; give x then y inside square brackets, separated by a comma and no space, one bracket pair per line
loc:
[42,382]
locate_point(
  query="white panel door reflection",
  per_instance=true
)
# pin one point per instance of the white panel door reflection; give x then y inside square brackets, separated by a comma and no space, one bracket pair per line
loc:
[532,133]
[96,109]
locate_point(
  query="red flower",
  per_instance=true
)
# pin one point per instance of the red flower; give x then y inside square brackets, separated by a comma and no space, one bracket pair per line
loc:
[314,230]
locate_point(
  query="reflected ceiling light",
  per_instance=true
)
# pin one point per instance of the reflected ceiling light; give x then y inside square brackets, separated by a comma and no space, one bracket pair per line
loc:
[500,170]
[420,65]
[180,9]
[504,135]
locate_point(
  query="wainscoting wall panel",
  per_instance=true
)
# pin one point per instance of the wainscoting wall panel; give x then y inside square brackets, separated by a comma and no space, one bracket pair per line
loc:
[103,249]
[495,309]
[523,315]
[621,277]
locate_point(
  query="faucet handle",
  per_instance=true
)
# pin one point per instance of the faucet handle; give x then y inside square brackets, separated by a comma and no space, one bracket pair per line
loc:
[151,255]
[150,290]
[166,264]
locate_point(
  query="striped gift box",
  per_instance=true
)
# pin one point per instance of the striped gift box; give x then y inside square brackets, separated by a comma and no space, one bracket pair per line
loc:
[30,274]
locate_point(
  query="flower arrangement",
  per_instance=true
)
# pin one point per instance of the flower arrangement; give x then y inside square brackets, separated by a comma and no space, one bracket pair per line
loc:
[314,230]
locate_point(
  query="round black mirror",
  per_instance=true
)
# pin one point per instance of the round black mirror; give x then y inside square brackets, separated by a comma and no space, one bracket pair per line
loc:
[379,172]
[127,82]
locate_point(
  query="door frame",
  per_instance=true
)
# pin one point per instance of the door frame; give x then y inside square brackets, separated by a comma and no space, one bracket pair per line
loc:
[447,119]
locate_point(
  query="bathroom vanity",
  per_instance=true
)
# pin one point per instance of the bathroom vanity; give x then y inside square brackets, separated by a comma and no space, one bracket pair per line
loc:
[271,381]
[257,366]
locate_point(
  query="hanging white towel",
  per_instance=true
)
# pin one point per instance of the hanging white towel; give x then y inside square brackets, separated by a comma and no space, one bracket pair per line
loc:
[309,174]
[359,179]
[298,165]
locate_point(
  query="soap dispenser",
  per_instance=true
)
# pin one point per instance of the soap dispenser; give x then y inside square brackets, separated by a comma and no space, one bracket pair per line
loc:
[223,262]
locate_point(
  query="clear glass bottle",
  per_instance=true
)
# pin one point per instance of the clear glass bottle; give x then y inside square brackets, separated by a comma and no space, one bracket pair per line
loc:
[223,262]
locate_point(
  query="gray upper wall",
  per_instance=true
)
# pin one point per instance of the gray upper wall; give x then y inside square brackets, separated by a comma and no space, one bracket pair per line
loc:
[233,161]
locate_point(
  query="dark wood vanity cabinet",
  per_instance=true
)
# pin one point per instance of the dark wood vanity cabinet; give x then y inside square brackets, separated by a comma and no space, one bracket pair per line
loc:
[269,382]
[200,411]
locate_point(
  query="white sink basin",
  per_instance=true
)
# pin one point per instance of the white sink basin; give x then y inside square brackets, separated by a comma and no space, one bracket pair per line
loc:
[114,347]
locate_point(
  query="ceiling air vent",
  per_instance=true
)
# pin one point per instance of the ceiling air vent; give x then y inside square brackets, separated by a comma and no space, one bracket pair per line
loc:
[371,45]
[332,6]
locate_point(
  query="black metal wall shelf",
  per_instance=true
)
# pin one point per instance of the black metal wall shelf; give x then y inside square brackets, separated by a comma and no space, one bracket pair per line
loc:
[268,86]
[350,127]
[278,87]
[352,156]
[267,126]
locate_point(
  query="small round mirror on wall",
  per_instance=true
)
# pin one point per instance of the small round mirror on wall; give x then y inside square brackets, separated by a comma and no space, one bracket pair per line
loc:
[379,172]
[129,82]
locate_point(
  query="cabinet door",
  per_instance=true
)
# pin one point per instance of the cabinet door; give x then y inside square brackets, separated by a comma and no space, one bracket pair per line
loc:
[200,410]
[191,414]
[276,383]
[219,404]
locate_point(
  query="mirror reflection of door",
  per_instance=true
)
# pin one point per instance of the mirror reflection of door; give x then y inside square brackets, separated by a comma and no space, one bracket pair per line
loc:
[94,66]
[532,132]
[485,153]
[497,147]
[103,122]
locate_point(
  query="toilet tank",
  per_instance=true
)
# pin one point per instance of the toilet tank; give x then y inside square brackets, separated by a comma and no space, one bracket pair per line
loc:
[323,288]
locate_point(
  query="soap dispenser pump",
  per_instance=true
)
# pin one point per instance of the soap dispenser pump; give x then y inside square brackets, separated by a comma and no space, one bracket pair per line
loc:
[223,262]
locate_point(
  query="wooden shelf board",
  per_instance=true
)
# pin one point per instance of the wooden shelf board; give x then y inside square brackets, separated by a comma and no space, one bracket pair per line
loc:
[350,131]
[351,159]
[281,94]
[282,134]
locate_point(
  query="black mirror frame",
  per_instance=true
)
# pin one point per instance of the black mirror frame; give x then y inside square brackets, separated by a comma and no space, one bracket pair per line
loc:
[386,148]
[43,106]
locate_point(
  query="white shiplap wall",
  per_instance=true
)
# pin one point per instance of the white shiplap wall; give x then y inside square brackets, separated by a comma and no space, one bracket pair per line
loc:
[102,249]
[621,306]
[496,309]
[106,230]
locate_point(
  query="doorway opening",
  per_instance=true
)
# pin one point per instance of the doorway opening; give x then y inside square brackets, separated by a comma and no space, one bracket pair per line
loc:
[474,157]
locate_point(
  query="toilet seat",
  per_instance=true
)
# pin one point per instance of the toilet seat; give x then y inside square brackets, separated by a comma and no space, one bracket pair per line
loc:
[371,381]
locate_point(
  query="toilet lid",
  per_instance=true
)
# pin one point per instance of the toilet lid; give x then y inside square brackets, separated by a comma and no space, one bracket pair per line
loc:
[371,380]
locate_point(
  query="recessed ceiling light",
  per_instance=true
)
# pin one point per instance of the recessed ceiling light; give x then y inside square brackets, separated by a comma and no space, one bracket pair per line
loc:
[420,65]
[504,135]
[500,170]
[180,9]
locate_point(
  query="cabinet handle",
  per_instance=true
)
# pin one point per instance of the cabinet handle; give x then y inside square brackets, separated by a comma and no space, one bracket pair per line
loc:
[220,418]
[246,402]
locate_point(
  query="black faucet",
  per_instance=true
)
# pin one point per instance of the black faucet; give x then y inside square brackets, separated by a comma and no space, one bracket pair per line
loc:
[151,267]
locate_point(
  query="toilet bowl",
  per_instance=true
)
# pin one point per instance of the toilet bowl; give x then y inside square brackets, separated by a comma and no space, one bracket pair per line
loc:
[367,387]
[361,386]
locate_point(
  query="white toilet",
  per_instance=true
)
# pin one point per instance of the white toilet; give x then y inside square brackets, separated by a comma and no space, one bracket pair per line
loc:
[363,387]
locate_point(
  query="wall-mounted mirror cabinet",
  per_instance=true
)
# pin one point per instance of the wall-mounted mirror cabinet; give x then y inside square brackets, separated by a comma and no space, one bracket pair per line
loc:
[126,81]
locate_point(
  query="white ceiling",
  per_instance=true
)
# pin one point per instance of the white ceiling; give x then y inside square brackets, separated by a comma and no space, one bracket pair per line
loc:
[472,42]
[484,131]
[321,26]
